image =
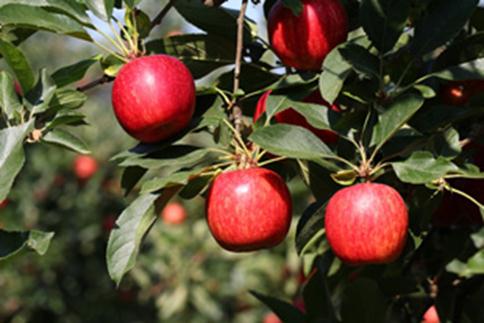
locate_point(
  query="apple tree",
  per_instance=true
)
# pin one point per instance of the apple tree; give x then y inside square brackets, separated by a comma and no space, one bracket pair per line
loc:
[376,106]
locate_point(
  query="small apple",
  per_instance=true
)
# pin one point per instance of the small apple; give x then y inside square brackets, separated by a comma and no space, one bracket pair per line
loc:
[366,224]
[249,209]
[431,315]
[304,41]
[291,116]
[85,167]
[4,203]
[174,213]
[154,97]
[271,318]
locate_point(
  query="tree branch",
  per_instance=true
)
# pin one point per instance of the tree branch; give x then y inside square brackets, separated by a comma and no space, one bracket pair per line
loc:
[102,80]
[236,111]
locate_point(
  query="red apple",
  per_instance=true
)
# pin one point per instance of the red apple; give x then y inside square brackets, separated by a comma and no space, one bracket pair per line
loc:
[366,224]
[154,97]
[304,41]
[174,213]
[4,203]
[271,318]
[249,209]
[291,116]
[85,167]
[431,315]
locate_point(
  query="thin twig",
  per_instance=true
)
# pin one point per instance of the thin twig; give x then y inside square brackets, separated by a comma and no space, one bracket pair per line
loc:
[236,111]
[159,18]
[102,80]
[240,44]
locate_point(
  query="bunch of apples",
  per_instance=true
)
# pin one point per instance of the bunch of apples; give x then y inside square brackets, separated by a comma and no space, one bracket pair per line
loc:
[250,208]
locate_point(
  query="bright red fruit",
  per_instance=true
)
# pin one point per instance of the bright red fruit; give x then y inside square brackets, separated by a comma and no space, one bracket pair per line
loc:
[291,116]
[85,167]
[249,209]
[366,224]
[271,318]
[174,213]
[154,97]
[304,41]
[431,315]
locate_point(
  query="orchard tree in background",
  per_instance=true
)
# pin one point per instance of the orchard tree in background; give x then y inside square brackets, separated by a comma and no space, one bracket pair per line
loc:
[377,106]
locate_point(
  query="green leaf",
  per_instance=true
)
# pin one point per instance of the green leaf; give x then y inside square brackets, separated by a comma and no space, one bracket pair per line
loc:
[13,242]
[441,116]
[442,21]
[361,60]
[67,99]
[291,141]
[42,93]
[9,102]
[426,91]
[335,71]
[284,310]
[64,118]
[218,21]
[131,176]
[478,239]
[125,238]
[363,302]
[67,140]
[195,46]
[39,18]
[73,73]
[465,71]
[473,266]
[12,155]
[316,115]
[175,179]
[394,117]
[111,65]
[422,168]
[447,144]
[310,227]
[71,8]
[176,155]
[383,21]
[101,8]
[19,65]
